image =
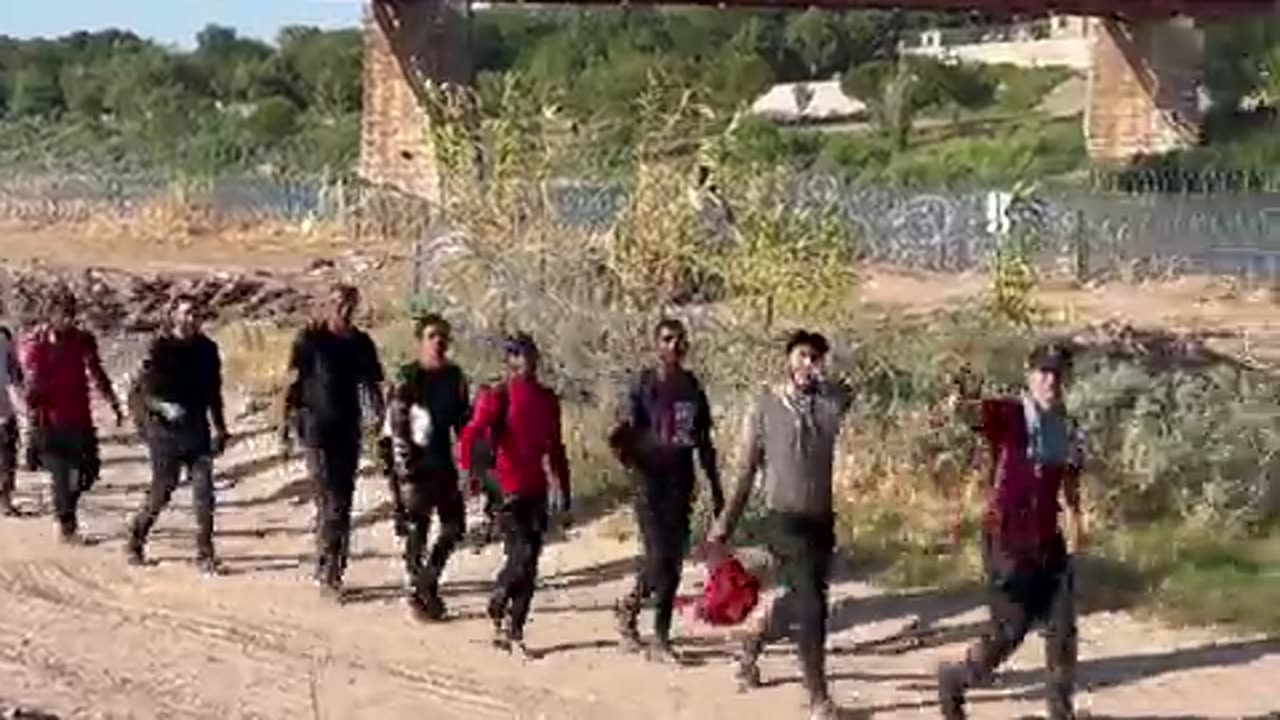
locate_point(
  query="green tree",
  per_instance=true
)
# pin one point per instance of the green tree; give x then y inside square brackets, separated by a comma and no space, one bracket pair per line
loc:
[273,120]
[815,37]
[37,92]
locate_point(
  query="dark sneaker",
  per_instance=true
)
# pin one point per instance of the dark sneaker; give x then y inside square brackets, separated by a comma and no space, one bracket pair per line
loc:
[951,692]
[823,709]
[331,589]
[662,653]
[209,565]
[624,614]
[747,674]
[497,616]
[72,538]
[427,607]
[522,651]
[133,554]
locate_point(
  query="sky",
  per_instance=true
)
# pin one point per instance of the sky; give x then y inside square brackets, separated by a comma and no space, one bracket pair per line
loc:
[173,22]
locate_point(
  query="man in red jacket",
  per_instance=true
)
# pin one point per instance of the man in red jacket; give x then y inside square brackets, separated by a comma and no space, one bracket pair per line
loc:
[520,419]
[63,360]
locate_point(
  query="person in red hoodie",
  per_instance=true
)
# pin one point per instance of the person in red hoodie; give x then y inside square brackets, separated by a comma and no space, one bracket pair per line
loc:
[63,360]
[520,420]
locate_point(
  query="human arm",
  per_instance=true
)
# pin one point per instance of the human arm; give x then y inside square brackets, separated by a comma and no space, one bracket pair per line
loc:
[557,458]
[398,426]
[707,456]
[16,379]
[97,373]
[296,373]
[217,411]
[751,458]
[1071,490]
[373,377]
[628,419]
[478,429]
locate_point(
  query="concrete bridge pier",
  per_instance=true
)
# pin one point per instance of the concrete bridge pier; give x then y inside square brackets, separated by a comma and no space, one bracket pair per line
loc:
[1143,88]
[406,43]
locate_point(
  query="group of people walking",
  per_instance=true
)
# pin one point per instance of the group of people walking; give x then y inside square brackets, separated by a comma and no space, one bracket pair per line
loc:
[438,444]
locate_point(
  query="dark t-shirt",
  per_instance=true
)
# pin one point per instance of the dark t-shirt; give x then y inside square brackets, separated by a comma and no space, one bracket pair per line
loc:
[188,372]
[439,397]
[331,369]
[667,418]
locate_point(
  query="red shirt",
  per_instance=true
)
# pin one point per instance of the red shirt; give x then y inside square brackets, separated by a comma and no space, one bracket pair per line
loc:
[1022,509]
[531,434]
[60,365]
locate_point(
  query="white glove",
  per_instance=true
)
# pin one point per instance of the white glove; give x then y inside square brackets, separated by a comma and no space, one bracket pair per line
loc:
[171,411]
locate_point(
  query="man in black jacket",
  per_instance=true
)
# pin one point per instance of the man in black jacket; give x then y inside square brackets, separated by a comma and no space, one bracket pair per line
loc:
[427,409]
[178,392]
[331,365]
[664,418]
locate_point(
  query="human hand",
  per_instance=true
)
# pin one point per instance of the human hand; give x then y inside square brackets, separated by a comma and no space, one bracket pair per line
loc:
[220,440]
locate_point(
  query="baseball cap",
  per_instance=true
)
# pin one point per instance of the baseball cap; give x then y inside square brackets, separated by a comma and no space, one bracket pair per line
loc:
[1051,357]
[520,344]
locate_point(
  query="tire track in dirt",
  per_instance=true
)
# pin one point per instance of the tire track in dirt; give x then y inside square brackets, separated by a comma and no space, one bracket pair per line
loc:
[57,587]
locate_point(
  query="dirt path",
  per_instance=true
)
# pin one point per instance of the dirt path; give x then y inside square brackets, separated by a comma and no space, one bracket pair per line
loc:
[85,636]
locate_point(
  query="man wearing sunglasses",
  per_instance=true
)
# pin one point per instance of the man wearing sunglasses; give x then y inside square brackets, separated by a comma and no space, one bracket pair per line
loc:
[428,407]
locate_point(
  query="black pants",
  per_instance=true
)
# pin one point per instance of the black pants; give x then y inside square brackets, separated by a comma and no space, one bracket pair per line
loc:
[523,521]
[166,471]
[426,495]
[801,546]
[71,455]
[1022,596]
[8,458]
[662,511]
[33,449]
[333,476]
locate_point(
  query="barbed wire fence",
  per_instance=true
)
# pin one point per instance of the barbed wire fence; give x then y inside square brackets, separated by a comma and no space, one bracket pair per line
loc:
[1127,226]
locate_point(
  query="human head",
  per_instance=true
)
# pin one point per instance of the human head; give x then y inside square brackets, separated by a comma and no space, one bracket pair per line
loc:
[522,355]
[184,315]
[62,308]
[342,304]
[434,336]
[1048,371]
[806,355]
[671,342]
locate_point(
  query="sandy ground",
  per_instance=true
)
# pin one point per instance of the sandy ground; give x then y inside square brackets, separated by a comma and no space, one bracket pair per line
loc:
[83,635]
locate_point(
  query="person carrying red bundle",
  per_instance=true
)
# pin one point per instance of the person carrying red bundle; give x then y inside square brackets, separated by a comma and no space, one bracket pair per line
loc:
[789,438]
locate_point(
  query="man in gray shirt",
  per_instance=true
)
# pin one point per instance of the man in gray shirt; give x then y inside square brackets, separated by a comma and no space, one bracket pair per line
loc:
[789,437]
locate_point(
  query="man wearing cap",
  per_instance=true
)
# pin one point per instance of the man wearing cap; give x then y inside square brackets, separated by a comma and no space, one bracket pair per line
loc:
[520,420]
[789,436]
[332,364]
[1037,452]
[663,419]
[63,360]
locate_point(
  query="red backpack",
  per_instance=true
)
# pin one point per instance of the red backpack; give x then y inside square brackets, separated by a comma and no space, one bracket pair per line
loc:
[730,593]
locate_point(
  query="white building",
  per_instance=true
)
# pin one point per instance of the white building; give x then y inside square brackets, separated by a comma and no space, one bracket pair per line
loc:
[813,101]
[1058,40]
